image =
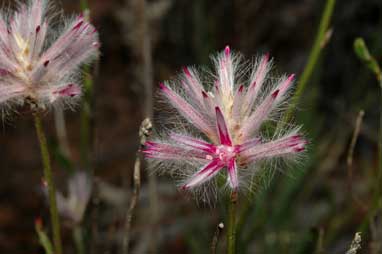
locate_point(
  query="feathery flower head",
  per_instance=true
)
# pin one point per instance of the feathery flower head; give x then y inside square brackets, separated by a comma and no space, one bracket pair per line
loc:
[38,65]
[73,206]
[229,114]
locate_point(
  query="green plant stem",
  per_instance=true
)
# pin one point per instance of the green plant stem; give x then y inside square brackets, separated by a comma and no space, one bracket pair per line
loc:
[379,174]
[50,184]
[231,229]
[84,5]
[43,238]
[78,237]
[244,213]
[313,55]
[86,127]
[372,64]
[377,202]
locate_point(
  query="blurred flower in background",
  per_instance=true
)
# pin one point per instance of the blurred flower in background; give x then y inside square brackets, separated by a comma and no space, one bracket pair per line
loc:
[39,65]
[73,205]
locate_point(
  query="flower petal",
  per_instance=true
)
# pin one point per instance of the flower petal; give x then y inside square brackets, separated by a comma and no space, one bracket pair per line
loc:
[204,174]
[232,174]
[9,92]
[193,85]
[224,136]
[193,143]
[188,111]
[52,94]
[249,144]
[226,71]
[74,47]
[164,151]
[237,103]
[291,144]
[257,81]
[256,119]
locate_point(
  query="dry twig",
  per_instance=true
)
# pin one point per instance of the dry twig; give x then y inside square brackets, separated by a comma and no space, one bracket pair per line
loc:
[144,131]
[215,239]
[349,159]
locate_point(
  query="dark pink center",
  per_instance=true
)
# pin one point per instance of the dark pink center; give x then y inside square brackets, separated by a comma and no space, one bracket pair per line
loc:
[225,153]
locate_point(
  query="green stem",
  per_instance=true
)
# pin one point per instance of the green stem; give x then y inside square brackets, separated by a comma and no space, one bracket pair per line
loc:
[244,213]
[84,5]
[85,130]
[78,237]
[371,63]
[86,127]
[376,202]
[49,180]
[231,230]
[313,55]
[379,174]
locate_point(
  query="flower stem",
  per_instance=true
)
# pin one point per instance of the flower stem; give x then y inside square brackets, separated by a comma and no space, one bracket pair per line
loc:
[319,43]
[49,180]
[231,230]
[379,175]
[84,5]
[215,239]
[133,204]
[87,105]
[371,63]
[78,237]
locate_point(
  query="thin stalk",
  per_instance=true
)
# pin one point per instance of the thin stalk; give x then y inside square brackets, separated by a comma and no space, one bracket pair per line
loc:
[319,43]
[231,229]
[78,237]
[143,51]
[133,204]
[349,159]
[379,175]
[377,202]
[371,63]
[144,132]
[86,142]
[50,184]
[87,105]
[43,237]
[85,128]
[84,5]
[59,120]
[215,239]
[245,212]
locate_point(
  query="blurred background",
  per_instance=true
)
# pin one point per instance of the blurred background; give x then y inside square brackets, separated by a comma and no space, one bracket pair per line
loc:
[316,208]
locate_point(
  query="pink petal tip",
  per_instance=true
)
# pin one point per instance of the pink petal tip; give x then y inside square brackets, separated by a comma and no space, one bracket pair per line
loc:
[291,77]
[267,56]
[186,71]
[162,86]
[227,51]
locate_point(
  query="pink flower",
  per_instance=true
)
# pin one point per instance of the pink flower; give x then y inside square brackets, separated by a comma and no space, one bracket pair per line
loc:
[39,64]
[229,115]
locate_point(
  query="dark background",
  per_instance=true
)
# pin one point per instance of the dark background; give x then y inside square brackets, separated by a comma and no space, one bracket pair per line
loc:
[294,211]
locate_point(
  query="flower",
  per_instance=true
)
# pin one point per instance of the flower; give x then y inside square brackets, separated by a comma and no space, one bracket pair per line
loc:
[38,64]
[229,114]
[73,206]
